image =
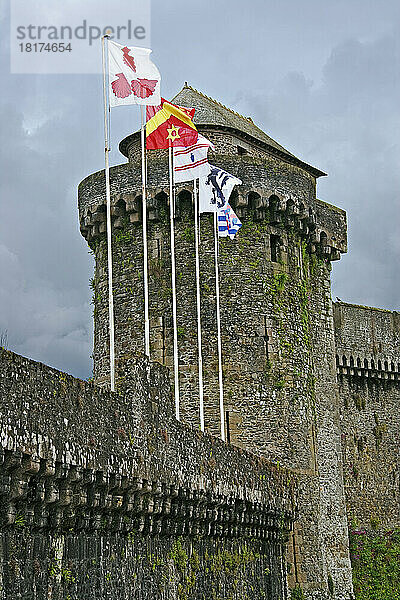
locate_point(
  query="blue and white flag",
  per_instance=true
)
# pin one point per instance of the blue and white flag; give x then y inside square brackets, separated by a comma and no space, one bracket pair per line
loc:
[215,189]
[191,162]
[228,223]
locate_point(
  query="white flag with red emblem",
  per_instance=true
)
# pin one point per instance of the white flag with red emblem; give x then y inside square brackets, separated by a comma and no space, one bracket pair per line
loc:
[133,78]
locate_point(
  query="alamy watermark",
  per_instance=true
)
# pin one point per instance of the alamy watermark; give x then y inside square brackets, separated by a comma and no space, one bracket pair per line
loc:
[63,36]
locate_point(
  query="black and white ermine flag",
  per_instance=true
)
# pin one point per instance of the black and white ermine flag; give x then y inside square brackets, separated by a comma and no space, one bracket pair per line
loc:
[215,189]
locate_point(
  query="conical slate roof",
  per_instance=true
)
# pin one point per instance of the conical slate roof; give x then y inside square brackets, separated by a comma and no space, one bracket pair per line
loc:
[211,112]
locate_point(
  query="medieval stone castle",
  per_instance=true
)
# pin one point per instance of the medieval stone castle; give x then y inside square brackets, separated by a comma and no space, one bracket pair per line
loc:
[106,495]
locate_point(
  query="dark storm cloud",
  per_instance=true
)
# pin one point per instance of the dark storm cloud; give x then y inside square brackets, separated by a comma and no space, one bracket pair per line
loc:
[321,78]
[43,264]
[348,126]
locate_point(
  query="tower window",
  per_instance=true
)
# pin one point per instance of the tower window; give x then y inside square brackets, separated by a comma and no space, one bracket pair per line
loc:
[164,341]
[266,339]
[228,431]
[275,243]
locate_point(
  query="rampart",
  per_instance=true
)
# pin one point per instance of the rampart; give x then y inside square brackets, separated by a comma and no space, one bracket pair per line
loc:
[368,370]
[107,496]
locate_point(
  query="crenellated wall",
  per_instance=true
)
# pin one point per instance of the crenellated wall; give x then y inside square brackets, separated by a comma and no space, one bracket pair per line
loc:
[368,370]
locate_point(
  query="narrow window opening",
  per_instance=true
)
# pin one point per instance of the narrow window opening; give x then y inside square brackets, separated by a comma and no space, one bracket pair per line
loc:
[184,204]
[275,244]
[323,239]
[296,570]
[158,249]
[164,342]
[228,430]
[233,199]
[266,339]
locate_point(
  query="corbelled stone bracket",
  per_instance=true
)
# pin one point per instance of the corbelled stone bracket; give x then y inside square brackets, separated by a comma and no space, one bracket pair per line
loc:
[39,494]
[261,204]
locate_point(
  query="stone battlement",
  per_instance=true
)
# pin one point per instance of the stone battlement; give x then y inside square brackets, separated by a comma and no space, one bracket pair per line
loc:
[323,225]
[358,367]
[367,341]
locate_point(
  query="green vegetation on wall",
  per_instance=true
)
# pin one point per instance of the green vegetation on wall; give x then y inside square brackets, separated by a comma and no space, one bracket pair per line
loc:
[376,564]
[297,593]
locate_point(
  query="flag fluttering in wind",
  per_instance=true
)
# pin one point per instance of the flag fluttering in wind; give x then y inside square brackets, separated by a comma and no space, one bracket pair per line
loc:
[192,162]
[215,189]
[133,77]
[170,126]
[228,223]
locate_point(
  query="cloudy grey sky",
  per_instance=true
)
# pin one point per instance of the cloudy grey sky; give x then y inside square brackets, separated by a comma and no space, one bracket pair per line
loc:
[322,78]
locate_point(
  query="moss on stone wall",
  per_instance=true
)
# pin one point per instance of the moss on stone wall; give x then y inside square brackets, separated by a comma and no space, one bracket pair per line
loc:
[67,566]
[375,560]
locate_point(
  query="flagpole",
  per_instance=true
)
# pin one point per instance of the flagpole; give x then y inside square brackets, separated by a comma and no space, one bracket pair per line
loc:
[108,211]
[220,381]
[145,258]
[199,342]
[173,279]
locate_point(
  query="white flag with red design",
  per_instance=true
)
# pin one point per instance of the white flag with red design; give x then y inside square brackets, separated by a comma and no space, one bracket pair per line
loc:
[191,162]
[133,78]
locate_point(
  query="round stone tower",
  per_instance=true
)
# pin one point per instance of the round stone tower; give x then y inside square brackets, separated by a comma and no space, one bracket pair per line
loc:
[281,395]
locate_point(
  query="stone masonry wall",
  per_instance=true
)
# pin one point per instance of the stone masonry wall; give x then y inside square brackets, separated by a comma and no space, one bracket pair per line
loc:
[272,289]
[108,496]
[368,366]
[326,429]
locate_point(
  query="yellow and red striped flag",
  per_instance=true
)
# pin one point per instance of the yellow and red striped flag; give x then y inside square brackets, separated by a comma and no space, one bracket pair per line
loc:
[169,125]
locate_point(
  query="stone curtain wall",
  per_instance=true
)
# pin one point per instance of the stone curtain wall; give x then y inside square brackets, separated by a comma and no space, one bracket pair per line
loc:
[368,366]
[107,496]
